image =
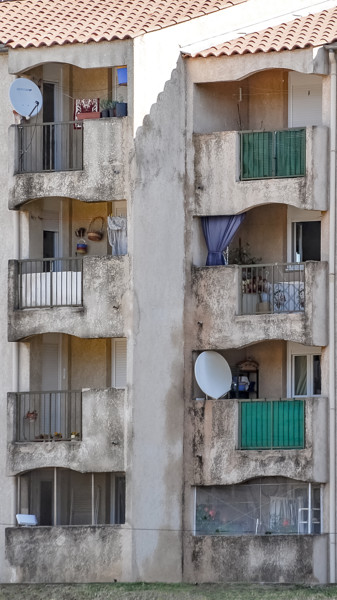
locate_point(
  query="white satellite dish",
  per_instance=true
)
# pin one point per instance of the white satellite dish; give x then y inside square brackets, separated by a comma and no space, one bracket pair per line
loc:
[25,97]
[213,374]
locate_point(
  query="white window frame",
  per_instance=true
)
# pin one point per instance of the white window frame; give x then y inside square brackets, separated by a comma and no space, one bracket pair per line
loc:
[294,349]
[296,215]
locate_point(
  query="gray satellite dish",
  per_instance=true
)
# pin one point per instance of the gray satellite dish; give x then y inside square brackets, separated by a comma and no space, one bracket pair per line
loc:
[213,374]
[25,97]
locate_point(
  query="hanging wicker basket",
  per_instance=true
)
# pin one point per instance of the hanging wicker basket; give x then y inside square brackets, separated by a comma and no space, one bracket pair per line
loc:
[95,230]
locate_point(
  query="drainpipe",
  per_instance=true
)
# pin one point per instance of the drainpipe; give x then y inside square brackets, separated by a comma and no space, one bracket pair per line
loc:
[332,399]
[16,238]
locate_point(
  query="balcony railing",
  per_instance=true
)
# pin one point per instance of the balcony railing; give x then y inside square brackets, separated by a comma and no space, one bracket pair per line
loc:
[274,288]
[47,416]
[49,147]
[271,424]
[273,154]
[50,282]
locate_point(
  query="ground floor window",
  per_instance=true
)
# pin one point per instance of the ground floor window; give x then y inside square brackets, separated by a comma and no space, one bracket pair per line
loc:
[264,506]
[64,497]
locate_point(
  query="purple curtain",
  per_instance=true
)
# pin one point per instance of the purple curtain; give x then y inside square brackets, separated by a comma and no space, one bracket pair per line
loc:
[219,232]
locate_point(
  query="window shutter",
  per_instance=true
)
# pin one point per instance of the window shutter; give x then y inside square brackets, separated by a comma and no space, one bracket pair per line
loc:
[255,425]
[288,424]
[120,363]
[272,424]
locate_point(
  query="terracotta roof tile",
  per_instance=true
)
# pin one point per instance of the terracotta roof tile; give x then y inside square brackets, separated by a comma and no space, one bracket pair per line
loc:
[303,32]
[25,23]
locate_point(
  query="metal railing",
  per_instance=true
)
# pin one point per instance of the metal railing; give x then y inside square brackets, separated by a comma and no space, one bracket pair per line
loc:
[47,416]
[50,282]
[271,423]
[49,147]
[274,288]
[273,154]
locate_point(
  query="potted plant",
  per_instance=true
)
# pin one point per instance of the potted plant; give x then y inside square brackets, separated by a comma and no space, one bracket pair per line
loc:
[31,415]
[104,106]
[112,108]
[57,436]
[75,435]
[121,109]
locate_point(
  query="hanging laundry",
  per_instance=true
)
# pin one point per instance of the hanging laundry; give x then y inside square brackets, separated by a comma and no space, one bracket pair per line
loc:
[117,235]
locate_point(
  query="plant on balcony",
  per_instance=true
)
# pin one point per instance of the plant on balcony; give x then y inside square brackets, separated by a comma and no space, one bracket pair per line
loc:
[31,415]
[121,108]
[75,435]
[105,105]
[57,436]
[242,255]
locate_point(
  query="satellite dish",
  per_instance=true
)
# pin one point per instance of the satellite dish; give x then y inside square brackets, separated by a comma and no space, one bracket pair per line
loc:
[25,97]
[213,374]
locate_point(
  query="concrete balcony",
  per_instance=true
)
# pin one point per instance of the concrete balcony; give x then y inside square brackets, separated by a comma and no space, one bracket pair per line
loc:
[84,297]
[100,423]
[290,558]
[87,161]
[220,190]
[218,300]
[67,554]
[216,443]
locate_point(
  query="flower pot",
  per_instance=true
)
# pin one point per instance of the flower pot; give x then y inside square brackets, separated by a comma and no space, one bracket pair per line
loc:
[112,112]
[105,113]
[121,109]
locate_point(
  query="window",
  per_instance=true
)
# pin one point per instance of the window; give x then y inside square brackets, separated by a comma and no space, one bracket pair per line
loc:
[118,362]
[303,370]
[303,235]
[271,424]
[306,375]
[64,497]
[306,240]
[265,506]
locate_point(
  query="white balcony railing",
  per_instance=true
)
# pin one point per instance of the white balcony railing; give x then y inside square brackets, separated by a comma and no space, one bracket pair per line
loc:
[50,282]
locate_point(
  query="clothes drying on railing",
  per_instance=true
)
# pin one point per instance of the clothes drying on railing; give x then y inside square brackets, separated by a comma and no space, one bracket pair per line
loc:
[117,235]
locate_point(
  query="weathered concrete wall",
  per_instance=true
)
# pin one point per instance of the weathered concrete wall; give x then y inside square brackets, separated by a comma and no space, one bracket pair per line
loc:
[67,554]
[218,189]
[7,373]
[278,559]
[105,311]
[213,427]
[157,250]
[106,144]
[101,449]
[216,323]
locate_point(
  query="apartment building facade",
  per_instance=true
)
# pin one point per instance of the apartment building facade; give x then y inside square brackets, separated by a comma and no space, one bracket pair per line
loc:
[225,155]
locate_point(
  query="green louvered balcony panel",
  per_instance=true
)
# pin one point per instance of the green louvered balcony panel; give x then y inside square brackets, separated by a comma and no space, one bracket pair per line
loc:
[266,154]
[271,424]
